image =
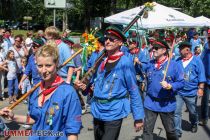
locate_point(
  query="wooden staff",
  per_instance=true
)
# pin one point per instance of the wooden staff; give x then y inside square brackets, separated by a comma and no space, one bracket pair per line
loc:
[169,59]
[90,72]
[37,85]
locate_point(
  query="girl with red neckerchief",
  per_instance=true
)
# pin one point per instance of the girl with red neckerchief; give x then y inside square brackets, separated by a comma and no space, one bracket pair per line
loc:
[54,106]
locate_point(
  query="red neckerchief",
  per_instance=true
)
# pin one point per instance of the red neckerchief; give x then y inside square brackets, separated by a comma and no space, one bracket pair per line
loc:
[159,63]
[112,57]
[58,41]
[143,46]
[185,59]
[58,80]
[135,51]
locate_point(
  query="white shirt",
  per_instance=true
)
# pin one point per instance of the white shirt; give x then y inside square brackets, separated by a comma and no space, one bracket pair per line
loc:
[12,70]
[18,56]
[185,63]
[28,42]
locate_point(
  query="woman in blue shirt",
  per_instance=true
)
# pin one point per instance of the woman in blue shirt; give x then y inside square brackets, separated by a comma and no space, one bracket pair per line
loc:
[55,106]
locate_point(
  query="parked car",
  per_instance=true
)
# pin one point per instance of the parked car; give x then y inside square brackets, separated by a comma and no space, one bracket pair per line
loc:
[15,26]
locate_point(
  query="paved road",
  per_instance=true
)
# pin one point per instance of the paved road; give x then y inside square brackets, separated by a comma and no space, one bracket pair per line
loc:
[127,131]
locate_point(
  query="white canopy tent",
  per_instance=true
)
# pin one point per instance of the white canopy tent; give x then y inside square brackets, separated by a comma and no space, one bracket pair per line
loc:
[160,17]
[204,20]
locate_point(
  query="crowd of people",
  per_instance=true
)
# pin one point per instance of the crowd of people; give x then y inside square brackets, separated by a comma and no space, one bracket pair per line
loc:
[148,76]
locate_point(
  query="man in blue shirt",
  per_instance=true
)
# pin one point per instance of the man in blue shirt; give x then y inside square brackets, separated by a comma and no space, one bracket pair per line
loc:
[205,99]
[66,72]
[31,68]
[195,41]
[115,90]
[194,78]
[160,95]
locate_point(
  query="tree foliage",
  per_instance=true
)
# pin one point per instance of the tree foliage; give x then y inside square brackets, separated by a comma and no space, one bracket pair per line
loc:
[84,10]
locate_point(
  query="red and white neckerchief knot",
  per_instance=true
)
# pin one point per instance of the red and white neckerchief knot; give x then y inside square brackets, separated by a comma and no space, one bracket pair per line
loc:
[188,58]
[159,63]
[112,57]
[58,80]
[135,51]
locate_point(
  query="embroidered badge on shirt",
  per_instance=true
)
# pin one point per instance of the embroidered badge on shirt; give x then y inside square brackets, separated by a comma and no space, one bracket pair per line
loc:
[55,104]
[50,114]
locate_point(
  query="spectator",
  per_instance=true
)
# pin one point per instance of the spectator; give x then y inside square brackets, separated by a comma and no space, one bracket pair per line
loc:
[2,70]
[19,51]
[12,76]
[26,85]
[29,41]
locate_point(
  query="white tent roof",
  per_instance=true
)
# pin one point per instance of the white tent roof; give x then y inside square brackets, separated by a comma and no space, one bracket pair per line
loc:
[205,20]
[161,17]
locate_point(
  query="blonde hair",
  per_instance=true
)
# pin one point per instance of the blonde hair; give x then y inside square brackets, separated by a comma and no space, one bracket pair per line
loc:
[51,43]
[23,58]
[48,51]
[52,32]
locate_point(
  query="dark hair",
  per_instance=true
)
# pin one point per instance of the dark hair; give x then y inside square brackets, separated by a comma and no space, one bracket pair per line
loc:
[196,48]
[19,36]
[8,53]
[8,30]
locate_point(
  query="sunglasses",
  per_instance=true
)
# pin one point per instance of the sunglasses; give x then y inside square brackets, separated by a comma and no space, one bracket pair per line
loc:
[18,40]
[155,48]
[35,46]
[112,39]
[132,42]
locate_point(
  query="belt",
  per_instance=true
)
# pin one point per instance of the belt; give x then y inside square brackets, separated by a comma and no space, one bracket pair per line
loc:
[104,101]
[162,99]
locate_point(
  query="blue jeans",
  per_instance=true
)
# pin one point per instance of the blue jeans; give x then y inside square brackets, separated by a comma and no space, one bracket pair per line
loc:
[13,87]
[26,86]
[205,103]
[190,102]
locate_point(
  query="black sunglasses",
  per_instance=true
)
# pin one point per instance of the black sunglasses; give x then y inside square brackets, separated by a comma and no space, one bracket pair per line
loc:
[155,48]
[35,46]
[132,42]
[112,39]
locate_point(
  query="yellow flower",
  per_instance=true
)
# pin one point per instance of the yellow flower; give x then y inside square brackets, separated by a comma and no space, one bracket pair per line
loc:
[91,37]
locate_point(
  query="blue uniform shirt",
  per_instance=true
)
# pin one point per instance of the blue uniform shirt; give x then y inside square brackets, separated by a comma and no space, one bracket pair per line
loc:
[159,99]
[67,112]
[64,54]
[144,58]
[194,74]
[115,87]
[31,68]
[195,43]
[206,61]
[94,56]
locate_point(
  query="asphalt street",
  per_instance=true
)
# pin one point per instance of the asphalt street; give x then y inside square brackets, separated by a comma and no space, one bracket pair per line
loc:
[127,130]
